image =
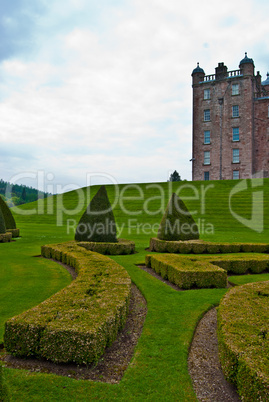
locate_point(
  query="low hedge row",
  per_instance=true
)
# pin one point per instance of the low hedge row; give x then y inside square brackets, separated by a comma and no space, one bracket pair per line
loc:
[236,264]
[243,335]
[122,247]
[79,322]
[5,237]
[14,232]
[202,247]
[187,273]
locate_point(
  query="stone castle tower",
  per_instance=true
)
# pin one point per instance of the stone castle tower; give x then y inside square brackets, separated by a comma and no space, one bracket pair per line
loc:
[230,123]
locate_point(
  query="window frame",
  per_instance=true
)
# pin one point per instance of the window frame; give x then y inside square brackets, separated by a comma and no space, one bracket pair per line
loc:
[207,115]
[208,137]
[207,94]
[206,157]
[235,91]
[236,155]
[235,108]
[206,176]
[235,134]
[237,174]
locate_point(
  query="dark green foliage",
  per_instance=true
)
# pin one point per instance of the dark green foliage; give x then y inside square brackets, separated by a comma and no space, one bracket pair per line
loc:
[174,176]
[177,223]
[9,219]
[17,194]
[2,223]
[97,224]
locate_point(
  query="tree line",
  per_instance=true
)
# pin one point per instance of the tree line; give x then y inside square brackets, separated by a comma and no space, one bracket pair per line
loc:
[17,194]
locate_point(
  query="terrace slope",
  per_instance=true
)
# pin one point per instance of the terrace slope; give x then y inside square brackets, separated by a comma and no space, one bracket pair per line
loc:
[224,210]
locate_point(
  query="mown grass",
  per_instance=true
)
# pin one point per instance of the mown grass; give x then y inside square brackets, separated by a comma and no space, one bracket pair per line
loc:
[158,370]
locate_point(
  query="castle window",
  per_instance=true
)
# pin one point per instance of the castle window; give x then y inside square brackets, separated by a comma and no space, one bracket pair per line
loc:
[236,174]
[207,115]
[207,137]
[206,175]
[235,134]
[235,111]
[235,89]
[236,156]
[207,158]
[206,93]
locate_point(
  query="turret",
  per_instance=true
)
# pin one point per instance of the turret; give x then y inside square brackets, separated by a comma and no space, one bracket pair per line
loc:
[197,75]
[247,65]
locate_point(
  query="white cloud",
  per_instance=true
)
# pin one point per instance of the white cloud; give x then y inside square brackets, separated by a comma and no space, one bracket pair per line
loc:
[116,96]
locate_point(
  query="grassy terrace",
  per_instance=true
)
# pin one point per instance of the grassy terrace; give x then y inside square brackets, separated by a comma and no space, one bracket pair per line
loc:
[158,370]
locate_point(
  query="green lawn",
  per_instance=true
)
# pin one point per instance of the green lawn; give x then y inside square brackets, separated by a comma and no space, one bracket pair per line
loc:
[158,370]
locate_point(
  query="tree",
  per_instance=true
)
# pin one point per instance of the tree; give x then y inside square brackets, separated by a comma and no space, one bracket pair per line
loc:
[174,176]
[23,194]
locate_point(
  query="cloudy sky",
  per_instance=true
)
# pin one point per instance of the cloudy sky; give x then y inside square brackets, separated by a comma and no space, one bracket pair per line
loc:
[103,88]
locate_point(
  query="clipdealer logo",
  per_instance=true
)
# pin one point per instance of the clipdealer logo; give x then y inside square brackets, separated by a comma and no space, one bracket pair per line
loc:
[256,221]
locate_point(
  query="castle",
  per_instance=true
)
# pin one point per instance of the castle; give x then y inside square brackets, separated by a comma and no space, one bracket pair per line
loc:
[230,123]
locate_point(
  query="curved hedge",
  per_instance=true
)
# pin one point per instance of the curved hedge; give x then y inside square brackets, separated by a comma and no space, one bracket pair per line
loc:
[123,247]
[243,335]
[79,322]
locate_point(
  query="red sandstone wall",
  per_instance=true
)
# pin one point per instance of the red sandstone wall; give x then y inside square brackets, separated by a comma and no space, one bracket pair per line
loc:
[253,123]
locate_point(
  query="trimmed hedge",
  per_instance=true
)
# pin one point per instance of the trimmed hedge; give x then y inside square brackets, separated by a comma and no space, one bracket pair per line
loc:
[243,335]
[97,224]
[177,223]
[237,264]
[5,237]
[123,247]
[204,247]
[8,217]
[14,232]
[187,273]
[79,322]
